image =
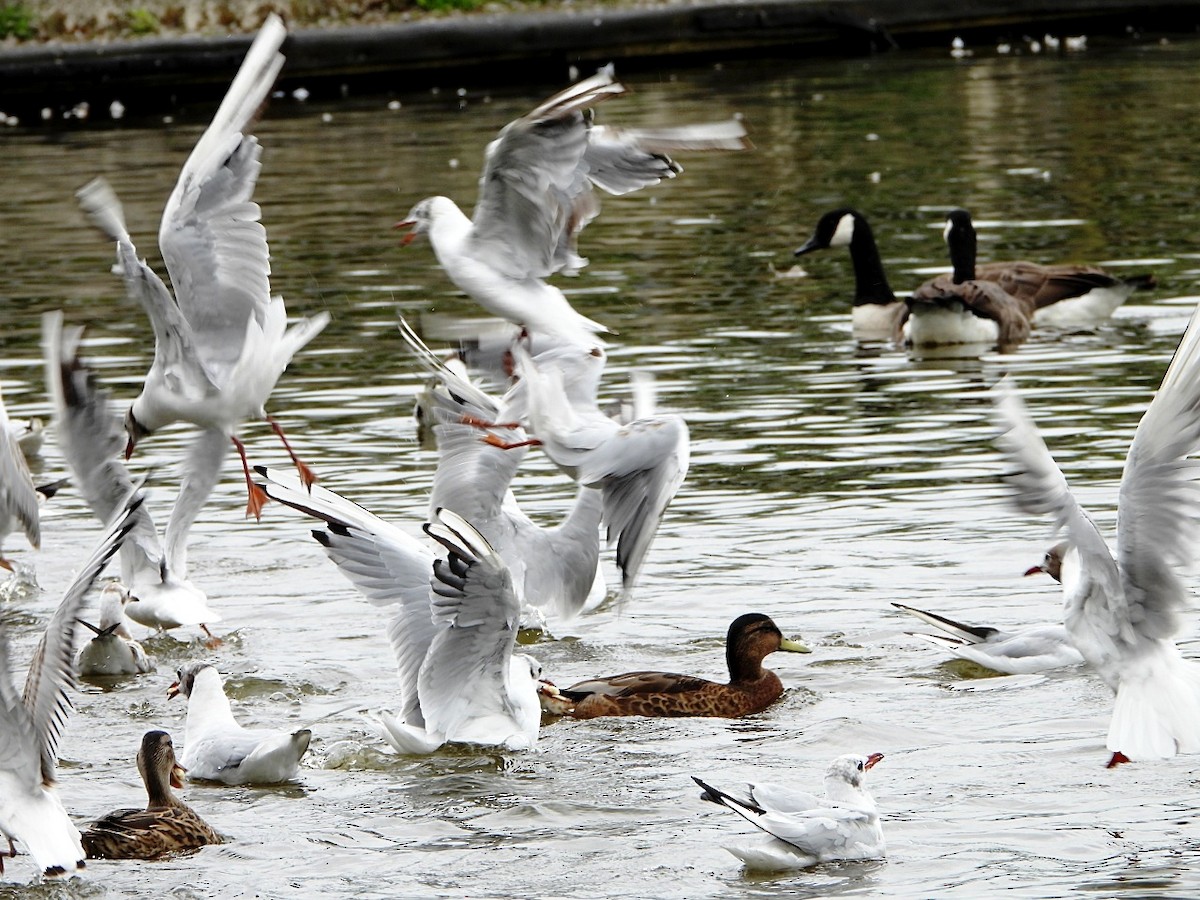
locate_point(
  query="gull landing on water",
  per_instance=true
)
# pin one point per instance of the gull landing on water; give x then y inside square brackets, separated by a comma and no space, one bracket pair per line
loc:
[535,196]
[155,590]
[1123,614]
[453,623]
[222,340]
[806,829]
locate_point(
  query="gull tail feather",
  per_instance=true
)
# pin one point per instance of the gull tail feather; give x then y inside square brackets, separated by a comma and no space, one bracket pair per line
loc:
[1157,710]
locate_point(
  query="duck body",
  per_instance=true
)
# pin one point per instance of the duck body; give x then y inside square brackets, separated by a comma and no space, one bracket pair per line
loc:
[751,688]
[217,748]
[167,825]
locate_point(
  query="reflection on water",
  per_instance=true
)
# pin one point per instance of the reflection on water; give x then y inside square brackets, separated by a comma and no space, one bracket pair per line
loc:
[827,480]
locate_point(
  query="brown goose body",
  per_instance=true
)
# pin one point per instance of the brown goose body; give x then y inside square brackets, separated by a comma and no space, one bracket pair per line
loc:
[167,825]
[751,688]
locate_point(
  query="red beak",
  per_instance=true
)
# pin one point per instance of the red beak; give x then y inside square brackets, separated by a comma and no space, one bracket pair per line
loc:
[871,760]
[1033,570]
[411,236]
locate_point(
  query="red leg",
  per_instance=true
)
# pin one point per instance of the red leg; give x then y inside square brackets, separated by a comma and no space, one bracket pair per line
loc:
[1117,759]
[213,641]
[307,475]
[257,496]
[467,419]
[6,564]
[494,441]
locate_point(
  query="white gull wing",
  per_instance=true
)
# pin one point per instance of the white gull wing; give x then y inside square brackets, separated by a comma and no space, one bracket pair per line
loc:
[472,687]
[387,565]
[552,568]
[530,183]
[51,672]
[211,239]
[638,466]
[201,472]
[18,497]
[1096,610]
[176,358]
[91,439]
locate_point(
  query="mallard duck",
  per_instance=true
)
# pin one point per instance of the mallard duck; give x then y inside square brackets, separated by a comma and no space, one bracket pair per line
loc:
[751,688]
[217,748]
[167,824]
[806,829]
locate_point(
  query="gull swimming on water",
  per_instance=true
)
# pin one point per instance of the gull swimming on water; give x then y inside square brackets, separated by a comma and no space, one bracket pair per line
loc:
[221,341]
[217,748]
[158,593]
[32,723]
[1123,614]
[454,629]
[806,829]
[535,195]
[1034,649]
[112,649]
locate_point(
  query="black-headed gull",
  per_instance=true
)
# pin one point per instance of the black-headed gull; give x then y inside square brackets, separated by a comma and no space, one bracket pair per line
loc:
[217,748]
[167,825]
[554,569]
[112,650]
[1123,614]
[32,722]
[221,341]
[535,195]
[806,829]
[153,572]
[454,627]
[639,465]
[18,496]
[1037,648]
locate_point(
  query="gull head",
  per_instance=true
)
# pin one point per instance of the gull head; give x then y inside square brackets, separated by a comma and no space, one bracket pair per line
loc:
[850,769]
[136,431]
[1052,562]
[421,218]
[185,679]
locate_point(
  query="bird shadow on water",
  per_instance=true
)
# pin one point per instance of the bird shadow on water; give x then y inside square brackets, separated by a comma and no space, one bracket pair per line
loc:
[824,880]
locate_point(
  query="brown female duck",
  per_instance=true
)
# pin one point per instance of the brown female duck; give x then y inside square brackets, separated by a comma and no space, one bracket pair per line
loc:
[751,688]
[167,825]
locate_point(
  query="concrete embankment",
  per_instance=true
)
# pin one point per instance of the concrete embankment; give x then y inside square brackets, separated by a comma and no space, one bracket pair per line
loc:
[488,48]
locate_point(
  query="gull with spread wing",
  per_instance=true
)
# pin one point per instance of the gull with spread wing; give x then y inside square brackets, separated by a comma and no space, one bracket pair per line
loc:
[638,465]
[221,341]
[153,572]
[1123,614]
[535,195]
[555,570]
[32,723]
[806,829]
[453,633]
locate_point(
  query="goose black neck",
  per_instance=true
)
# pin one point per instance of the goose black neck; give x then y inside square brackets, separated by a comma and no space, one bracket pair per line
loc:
[960,240]
[870,281]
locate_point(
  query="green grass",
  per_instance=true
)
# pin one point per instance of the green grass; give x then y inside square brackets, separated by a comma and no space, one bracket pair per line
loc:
[16,20]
